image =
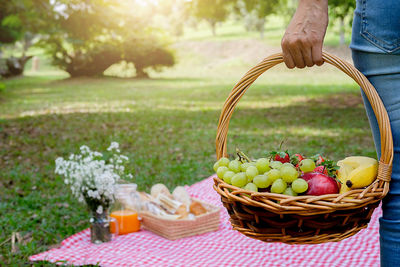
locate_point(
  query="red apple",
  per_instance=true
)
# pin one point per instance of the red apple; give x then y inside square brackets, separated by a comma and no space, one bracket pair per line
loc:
[320,184]
[308,175]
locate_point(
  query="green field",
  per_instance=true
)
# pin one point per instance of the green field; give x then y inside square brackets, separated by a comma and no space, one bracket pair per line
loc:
[166,125]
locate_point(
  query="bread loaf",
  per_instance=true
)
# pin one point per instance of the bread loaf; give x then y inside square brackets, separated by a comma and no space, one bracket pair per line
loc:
[158,189]
[197,208]
[181,195]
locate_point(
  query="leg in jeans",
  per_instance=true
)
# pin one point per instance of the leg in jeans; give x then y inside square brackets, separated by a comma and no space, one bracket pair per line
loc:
[383,71]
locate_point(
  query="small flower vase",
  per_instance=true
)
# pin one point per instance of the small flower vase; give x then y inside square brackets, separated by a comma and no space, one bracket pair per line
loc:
[100,228]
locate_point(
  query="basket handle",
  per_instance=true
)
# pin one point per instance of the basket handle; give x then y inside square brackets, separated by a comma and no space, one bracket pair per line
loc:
[240,88]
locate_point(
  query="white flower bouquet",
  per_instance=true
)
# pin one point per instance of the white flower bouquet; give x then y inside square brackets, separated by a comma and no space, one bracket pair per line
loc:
[92,177]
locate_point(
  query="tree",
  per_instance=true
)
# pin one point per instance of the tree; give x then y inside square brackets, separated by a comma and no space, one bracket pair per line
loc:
[212,11]
[287,10]
[78,38]
[10,24]
[10,32]
[250,18]
[172,15]
[145,53]
[87,37]
[340,10]
[256,11]
[20,22]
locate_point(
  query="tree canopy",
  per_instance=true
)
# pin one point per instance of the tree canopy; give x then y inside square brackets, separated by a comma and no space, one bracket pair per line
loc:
[85,37]
[256,11]
[340,10]
[88,37]
[212,11]
[19,22]
[10,24]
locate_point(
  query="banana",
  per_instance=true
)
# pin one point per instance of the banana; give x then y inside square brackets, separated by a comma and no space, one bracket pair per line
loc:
[343,173]
[359,160]
[362,176]
[359,171]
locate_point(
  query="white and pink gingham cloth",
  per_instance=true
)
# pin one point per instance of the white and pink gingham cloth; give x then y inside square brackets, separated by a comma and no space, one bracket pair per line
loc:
[224,247]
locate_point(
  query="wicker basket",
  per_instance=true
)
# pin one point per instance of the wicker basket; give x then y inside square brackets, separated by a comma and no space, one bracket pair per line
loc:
[304,219]
[175,229]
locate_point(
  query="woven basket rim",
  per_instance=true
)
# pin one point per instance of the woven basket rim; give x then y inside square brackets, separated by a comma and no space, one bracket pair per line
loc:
[304,204]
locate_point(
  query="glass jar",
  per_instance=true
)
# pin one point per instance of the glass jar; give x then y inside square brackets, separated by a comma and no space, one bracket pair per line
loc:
[100,227]
[125,209]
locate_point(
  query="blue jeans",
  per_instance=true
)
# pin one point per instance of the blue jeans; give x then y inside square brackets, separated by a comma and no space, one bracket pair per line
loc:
[376,53]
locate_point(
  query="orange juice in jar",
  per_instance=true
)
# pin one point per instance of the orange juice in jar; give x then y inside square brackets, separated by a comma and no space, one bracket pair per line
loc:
[127,221]
[124,210]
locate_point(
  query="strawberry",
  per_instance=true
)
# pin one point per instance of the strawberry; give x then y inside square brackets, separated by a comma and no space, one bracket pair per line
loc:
[280,156]
[299,156]
[318,159]
[321,169]
[295,159]
[328,167]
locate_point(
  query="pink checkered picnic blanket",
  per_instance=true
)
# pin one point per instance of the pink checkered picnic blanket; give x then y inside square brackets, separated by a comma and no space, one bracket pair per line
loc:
[224,247]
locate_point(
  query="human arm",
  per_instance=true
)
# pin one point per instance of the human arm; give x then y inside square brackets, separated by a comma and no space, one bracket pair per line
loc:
[303,39]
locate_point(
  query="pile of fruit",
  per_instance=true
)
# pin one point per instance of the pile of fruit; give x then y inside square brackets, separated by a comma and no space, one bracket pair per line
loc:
[293,175]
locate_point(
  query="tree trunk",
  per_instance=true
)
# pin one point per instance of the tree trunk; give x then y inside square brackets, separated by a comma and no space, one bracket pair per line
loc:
[140,73]
[213,27]
[341,32]
[90,64]
[14,66]
[262,27]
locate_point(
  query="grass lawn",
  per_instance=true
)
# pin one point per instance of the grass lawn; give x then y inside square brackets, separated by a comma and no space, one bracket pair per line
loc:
[166,125]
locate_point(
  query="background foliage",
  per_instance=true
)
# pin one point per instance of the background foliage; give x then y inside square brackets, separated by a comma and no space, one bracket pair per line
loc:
[85,38]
